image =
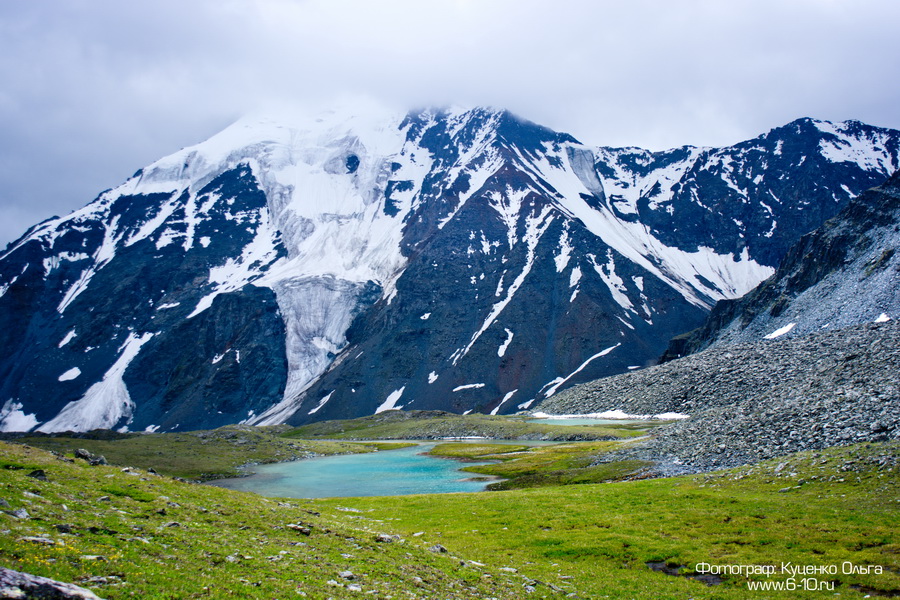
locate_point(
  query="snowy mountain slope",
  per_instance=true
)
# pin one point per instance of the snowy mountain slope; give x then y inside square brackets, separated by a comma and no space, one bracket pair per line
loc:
[845,273]
[793,177]
[299,267]
[211,219]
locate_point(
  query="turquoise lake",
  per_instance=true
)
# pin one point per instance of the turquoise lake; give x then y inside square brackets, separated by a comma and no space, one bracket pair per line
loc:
[384,473]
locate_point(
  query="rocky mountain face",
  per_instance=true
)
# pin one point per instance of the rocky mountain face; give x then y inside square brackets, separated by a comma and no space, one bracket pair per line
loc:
[753,401]
[846,272]
[295,268]
[808,359]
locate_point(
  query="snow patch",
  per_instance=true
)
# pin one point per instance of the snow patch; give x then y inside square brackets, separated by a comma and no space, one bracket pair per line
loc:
[780,332]
[502,349]
[12,418]
[70,374]
[67,339]
[574,276]
[869,153]
[468,386]
[321,403]
[554,385]
[390,402]
[565,252]
[625,323]
[502,402]
[107,402]
[5,287]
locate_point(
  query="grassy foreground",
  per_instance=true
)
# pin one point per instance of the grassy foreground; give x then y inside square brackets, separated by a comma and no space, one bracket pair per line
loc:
[837,509]
[126,533]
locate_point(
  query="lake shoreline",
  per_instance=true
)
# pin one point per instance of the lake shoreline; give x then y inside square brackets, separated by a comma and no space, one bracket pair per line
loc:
[415,469]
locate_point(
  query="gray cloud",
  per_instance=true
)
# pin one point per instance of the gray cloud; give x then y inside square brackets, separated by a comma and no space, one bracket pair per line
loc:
[94,89]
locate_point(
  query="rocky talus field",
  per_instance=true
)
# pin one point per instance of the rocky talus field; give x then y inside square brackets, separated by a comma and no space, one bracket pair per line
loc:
[756,401]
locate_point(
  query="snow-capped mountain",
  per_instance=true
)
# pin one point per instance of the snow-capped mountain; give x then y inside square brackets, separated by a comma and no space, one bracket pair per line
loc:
[295,268]
[847,272]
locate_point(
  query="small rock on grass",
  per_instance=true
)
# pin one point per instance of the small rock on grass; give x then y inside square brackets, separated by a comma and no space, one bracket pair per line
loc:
[34,539]
[300,528]
[38,474]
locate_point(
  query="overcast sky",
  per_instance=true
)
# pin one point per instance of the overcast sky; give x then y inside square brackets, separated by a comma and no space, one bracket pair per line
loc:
[92,90]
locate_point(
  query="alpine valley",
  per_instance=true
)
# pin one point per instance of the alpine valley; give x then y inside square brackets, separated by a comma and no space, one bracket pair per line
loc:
[295,268]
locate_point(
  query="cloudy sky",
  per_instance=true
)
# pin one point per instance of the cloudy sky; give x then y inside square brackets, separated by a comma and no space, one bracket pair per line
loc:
[91,90]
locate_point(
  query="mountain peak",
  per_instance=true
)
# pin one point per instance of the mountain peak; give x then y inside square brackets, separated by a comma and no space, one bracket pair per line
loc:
[306,265]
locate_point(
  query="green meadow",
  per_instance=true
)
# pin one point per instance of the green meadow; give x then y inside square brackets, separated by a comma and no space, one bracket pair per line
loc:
[824,522]
[395,424]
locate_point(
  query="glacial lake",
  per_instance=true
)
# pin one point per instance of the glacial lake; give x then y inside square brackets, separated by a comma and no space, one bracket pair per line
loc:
[383,473]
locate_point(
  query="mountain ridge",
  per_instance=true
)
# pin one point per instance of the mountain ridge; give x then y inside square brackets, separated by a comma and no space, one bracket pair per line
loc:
[445,258]
[843,273]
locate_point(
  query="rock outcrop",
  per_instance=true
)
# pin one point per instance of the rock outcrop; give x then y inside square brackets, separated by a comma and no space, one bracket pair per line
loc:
[14,584]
